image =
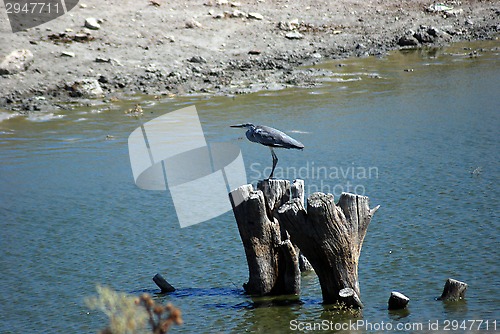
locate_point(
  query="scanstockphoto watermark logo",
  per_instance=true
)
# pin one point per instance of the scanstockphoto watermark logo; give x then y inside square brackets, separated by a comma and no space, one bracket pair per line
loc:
[171,152]
[24,14]
[320,178]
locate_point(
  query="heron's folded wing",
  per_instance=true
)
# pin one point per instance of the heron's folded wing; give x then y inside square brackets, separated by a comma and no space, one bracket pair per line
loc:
[272,137]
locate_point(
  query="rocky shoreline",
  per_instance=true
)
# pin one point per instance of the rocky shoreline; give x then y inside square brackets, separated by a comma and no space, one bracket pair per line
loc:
[106,50]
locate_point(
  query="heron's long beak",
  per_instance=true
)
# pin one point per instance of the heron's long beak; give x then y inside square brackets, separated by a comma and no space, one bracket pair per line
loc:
[238,126]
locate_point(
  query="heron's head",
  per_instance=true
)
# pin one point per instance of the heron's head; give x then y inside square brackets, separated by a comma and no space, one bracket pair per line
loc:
[244,125]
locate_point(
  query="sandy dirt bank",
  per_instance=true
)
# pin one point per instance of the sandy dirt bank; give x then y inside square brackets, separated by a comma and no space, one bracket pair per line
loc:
[217,46]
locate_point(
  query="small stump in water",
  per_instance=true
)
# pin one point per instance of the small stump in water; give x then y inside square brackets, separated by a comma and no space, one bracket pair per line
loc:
[453,290]
[397,301]
[163,284]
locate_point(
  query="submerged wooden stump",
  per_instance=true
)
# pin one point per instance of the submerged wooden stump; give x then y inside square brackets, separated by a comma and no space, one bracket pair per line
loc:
[397,301]
[331,237]
[273,262]
[453,290]
[163,284]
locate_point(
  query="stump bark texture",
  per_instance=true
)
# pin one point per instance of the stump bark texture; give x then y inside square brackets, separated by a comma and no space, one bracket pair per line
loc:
[273,261]
[397,301]
[274,225]
[331,236]
[453,290]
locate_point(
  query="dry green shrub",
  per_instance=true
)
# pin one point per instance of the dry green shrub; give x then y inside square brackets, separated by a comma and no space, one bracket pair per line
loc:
[130,315]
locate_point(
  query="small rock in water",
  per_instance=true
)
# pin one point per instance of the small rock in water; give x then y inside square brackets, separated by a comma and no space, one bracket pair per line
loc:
[16,61]
[92,23]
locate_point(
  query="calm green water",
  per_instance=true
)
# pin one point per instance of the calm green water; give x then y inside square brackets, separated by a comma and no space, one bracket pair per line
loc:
[72,217]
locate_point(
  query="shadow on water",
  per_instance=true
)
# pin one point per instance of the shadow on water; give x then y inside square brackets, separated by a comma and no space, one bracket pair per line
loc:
[235,294]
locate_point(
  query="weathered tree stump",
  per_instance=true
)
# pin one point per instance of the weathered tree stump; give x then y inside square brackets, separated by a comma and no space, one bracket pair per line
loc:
[350,297]
[331,237]
[453,290]
[272,259]
[397,301]
[163,284]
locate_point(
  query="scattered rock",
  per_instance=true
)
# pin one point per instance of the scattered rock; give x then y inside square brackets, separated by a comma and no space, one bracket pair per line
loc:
[454,12]
[408,40]
[294,35]
[439,7]
[255,16]
[103,79]
[151,68]
[171,39]
[115,62]
[235,4]
[16,61]
[423,37]
[111,61]
[285,26]
[64,37]
[136,111]
[192,24]
[216,15]
[82,37]
[68,54]
[238,13]
[197,60]
[434,31]
[87,88]
[92,23]
[102,60]
[254,52]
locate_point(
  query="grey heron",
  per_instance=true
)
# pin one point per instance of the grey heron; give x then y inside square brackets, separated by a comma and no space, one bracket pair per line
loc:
[270,137]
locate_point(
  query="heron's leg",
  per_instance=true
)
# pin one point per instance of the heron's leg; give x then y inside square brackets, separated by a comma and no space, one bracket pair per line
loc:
[275,162]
